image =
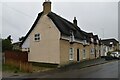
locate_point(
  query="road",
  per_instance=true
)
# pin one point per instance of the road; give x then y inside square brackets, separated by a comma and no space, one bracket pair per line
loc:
[107,70]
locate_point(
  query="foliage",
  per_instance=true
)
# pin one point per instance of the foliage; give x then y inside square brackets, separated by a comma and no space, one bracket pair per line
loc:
[108,53]
[7,44]
[10,68]
[9,38]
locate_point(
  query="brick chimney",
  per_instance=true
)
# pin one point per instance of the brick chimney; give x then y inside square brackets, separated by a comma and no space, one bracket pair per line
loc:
[47,6]
[75,21]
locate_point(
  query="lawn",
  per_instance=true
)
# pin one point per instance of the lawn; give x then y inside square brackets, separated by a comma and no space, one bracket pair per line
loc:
[10,68]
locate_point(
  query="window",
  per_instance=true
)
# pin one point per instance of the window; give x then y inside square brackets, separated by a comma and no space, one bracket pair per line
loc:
[37,37]
[71,36]
[71,53]
[97,41]
[85,42]
[84,54]
[92,50]
[92,40]
[111,42]
[104,49]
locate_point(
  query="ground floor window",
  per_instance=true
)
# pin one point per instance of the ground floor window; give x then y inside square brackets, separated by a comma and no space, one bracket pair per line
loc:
[92,51]
[71,53]
[84,54]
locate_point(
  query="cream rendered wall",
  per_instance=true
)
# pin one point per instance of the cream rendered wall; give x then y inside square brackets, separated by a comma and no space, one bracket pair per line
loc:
[26,44]
[47,50]
[92,55]
[64,51]
[80,47]
[98,48]
[87,50]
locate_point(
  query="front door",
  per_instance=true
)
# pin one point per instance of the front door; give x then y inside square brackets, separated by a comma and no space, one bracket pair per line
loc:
[78,59]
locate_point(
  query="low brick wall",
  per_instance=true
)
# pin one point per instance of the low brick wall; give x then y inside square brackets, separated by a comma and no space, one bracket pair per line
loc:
[18,59]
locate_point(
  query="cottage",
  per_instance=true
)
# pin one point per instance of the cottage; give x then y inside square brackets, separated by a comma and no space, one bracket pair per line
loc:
[109,45]
[53,39]
[16,46]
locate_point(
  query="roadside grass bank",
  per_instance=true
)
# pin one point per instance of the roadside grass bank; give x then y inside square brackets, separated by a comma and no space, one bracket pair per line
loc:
[10,68]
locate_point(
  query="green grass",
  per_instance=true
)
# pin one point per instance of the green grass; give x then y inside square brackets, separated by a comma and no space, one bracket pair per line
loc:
[10,68]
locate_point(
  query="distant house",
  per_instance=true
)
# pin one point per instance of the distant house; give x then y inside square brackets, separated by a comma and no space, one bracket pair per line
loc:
[16,46]
[109,45]
[53,39]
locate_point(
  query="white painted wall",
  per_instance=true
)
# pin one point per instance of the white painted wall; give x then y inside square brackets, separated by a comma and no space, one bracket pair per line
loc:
[26,44]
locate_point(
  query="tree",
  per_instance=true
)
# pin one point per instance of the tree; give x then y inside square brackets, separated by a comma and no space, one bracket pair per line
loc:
[9,38]
[7,44]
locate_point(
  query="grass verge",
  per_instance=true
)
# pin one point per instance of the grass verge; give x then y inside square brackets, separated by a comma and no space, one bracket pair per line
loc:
[10,68]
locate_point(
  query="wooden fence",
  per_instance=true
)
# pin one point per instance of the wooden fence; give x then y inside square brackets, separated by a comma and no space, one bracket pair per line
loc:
[18,59]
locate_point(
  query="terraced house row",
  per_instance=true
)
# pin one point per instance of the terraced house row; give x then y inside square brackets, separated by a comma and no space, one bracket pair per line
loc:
[53,39]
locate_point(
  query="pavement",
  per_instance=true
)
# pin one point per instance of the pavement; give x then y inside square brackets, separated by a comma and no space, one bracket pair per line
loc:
[84,64]
[79,65]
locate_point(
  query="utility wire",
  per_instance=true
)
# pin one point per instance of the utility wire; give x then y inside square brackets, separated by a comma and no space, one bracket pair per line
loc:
[18,11]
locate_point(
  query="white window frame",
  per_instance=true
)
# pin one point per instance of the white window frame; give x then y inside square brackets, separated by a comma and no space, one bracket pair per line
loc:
[92,50]
[84,54]
[92,40]
[71,37]
[37,37]
[71,53]
[97,41]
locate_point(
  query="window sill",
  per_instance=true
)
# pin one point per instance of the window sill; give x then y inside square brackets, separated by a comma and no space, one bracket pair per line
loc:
[37,41]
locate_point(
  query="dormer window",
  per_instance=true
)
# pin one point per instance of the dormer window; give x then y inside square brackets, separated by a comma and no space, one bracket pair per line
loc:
[92,40]
[37,37]
[111,42]
[97,41]
[85,42]
[71,36]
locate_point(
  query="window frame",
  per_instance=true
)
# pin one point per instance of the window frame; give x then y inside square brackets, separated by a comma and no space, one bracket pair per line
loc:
[37,37]
[71,36]
[84,54]
[71,54]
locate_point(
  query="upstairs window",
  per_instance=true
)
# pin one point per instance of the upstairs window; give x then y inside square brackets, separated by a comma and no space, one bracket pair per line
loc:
[71,36]
[37,37]
[85,42]
[92,40]
[111,43]
[97,41]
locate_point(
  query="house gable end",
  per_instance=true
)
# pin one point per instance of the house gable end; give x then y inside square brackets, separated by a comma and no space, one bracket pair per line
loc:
[33,26]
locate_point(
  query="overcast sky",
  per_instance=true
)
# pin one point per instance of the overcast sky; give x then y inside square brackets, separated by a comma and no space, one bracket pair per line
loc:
[98,17]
